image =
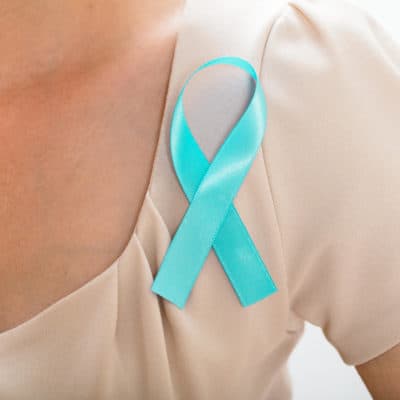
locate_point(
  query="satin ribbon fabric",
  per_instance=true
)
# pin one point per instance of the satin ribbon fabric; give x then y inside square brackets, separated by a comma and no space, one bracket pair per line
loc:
[211,220]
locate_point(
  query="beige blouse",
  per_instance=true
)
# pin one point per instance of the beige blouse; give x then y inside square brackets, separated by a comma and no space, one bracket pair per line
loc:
[321,202]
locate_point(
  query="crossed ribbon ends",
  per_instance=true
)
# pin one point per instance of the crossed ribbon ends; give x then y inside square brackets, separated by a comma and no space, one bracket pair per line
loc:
[211,220]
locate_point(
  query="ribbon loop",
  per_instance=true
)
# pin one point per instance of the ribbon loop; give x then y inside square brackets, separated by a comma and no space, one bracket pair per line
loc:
[211,220]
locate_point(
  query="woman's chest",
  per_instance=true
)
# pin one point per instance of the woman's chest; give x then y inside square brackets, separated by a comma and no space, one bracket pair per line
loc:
[76,157]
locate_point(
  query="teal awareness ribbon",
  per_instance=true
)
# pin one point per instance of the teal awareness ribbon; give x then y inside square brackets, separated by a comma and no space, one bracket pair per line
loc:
[211,220]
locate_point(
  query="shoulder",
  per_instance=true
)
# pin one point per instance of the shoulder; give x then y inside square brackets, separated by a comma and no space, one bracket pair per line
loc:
[339,26]
[331,76]
[325,65]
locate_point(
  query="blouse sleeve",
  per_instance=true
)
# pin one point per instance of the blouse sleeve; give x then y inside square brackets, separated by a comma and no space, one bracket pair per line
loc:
[331,74]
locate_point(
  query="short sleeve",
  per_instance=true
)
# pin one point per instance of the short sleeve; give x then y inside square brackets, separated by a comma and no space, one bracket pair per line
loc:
[331,74]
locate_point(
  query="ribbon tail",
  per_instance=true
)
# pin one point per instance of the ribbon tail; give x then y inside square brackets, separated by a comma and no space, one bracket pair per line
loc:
[241,261]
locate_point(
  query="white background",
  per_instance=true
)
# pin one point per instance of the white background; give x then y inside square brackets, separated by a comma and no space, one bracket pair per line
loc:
[316,369]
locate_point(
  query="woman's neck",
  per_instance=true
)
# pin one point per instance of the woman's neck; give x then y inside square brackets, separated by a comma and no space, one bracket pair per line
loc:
[45,37]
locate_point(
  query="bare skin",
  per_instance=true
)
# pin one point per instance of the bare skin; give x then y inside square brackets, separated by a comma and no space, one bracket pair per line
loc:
[82,91]
[381,375]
